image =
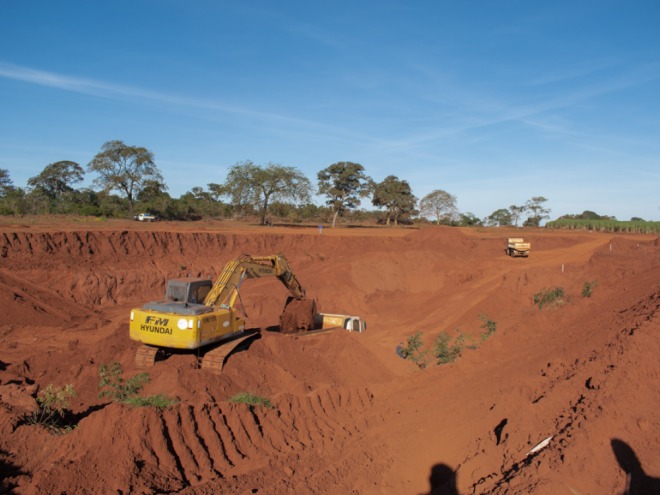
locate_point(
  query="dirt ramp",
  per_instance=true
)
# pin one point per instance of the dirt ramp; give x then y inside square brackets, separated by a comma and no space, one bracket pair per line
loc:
[27,303]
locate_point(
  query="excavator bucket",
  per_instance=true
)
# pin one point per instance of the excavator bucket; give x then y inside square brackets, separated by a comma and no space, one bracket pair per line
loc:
[298,315]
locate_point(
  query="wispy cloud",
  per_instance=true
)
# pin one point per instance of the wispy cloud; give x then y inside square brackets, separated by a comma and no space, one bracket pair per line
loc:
[107,90]
[472,109]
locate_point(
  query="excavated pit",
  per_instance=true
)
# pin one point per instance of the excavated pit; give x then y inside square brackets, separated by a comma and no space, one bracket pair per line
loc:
[585,373]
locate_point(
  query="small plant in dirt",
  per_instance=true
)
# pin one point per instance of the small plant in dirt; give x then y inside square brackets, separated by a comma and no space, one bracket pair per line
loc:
[252,400]
[444,352]
[53,412]
[125,391]
[549,297]
[412,350]
[489,326]
[588,287]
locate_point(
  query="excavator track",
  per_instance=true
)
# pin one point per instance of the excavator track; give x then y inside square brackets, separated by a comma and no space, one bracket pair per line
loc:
[214,360]
[145,357]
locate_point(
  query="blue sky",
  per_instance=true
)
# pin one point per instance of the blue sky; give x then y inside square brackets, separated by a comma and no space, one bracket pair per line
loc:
[494,101]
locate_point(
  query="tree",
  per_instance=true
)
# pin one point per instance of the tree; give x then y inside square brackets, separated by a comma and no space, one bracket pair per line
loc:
[516,212]
[124,168]
[56,178]
[13,201]
[6,185]
[499,217]
[216,190]
[469,219]
[394,195]
[539,212]
[51,191]
[439,204]
[344,184]
[248,183]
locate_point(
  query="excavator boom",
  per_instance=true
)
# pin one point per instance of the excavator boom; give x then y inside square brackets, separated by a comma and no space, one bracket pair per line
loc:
[225,290]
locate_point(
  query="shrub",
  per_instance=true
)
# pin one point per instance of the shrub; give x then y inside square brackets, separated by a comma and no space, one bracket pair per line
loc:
[489,326]
[413,350]
[443,352]
[252,400]
[588,287]
[126,391]
[119,389]
[553,297]
[52,410]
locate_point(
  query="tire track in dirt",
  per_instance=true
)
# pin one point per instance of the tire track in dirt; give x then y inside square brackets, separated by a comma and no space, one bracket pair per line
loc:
[202,443]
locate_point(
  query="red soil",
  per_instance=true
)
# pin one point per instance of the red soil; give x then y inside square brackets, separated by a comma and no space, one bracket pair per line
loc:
[349,415]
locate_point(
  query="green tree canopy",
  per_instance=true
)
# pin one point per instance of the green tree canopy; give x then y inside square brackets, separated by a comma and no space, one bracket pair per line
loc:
[124,168]
[516,213]
[216,190]
[537,210]
[57,178]
[586,215]
[440,205]
[6,183]
[500,217]
[248,183]
[343,184]
[469,219]
[396,197]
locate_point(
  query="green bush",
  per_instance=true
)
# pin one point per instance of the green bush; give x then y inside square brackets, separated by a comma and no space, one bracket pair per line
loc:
[252,400]
[554,297]
[413,350]
[52,410]
[126,391]
[588,287]
[445,353]
[489,326]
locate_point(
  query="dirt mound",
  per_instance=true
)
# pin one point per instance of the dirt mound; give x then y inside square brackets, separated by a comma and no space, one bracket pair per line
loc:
[348,414]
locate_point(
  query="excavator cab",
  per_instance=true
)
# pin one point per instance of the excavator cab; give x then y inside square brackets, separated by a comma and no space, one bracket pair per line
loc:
[190,290]
[184,296]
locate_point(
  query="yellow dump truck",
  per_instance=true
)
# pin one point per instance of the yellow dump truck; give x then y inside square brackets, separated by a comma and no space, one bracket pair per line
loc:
[516,246]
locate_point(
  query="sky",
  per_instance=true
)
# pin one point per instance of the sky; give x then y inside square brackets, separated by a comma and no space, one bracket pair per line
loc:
[493,101]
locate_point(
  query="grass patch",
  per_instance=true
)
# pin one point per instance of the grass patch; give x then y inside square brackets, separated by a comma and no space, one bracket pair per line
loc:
[158,401]
[252,400]
[549,297]
[588,288]
[125,391]
[53,412]
[489,326]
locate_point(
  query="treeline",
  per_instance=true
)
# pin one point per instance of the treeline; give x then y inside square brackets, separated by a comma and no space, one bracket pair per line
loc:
[590,220]
[608,225]
[127,180]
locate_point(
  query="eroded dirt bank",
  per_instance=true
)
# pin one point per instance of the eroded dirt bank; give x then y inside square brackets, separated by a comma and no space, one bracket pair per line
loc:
[350,416]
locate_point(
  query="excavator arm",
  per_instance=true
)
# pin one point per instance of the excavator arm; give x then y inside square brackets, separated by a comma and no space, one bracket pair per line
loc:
[225,290]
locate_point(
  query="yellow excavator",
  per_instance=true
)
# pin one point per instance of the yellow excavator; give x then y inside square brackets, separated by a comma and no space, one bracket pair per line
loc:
[197,313]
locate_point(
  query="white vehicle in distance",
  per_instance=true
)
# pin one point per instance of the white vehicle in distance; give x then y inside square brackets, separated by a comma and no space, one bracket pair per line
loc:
[146,217]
